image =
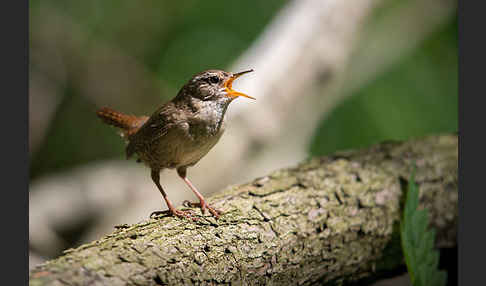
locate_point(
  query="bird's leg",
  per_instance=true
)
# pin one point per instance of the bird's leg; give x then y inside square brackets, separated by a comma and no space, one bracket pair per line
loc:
[202,202]
[187,214]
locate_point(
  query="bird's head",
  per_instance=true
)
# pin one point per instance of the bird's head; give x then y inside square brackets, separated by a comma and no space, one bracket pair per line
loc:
[214,85]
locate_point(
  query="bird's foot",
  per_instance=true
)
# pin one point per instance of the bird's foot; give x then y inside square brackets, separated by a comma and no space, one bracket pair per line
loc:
[203,205]
[178,213]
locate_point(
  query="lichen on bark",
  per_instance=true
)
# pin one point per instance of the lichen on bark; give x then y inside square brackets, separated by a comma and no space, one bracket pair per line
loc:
[329,219]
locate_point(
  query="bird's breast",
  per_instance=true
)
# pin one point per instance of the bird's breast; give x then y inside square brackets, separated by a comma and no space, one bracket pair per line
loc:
[204,131]
[208,121]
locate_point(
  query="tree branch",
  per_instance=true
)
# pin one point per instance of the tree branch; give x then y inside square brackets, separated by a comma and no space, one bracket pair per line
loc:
[329,219]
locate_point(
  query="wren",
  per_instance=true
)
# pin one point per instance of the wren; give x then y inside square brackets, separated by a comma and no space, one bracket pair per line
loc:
[180,132]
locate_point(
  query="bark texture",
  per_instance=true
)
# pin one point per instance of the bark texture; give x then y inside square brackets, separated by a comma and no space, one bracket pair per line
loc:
[328,220]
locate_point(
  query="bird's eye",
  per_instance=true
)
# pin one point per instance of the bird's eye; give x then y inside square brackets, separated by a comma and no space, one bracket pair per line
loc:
[214,79]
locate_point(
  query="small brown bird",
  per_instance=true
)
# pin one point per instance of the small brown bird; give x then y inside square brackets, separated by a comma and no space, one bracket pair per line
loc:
[181,131]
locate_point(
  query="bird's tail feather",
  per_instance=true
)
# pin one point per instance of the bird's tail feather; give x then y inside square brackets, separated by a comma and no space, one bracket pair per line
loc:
[129,124]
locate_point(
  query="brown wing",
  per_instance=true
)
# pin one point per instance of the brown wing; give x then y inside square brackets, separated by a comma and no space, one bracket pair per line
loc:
[154,128]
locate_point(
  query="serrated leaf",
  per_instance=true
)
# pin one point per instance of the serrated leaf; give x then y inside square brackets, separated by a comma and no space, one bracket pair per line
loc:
[421,258]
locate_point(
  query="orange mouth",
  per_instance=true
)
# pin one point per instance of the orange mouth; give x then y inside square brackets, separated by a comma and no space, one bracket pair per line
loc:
[229,83]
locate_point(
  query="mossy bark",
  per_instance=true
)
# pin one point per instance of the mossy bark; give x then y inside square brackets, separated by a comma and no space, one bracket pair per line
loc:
[330,219]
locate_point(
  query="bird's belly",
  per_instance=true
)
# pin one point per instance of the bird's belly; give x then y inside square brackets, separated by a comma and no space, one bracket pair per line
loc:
[194,151]
[185,150]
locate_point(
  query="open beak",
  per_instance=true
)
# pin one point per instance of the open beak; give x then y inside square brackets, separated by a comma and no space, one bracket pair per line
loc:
[229,83]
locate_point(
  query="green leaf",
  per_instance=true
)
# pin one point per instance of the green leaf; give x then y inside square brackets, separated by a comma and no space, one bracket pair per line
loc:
[418,242]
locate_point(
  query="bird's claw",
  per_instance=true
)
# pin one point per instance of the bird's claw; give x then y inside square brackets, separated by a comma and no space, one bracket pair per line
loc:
[178,213]
[203,206]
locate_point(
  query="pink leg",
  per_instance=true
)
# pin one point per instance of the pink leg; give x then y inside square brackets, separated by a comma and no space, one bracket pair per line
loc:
[172,210]
[202,202]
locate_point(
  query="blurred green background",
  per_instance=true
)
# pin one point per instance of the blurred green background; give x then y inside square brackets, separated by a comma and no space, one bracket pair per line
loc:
[415,97]
[171,40]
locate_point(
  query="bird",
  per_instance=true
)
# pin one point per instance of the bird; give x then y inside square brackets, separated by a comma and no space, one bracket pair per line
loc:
[180,132]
